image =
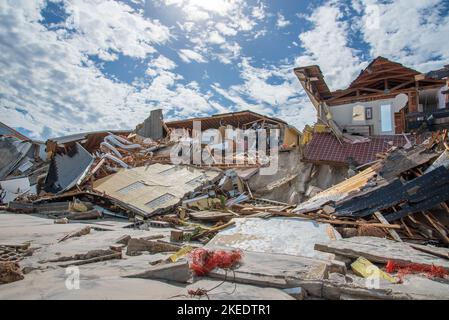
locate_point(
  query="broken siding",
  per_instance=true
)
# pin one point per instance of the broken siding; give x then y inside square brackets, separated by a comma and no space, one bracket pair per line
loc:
[150,190]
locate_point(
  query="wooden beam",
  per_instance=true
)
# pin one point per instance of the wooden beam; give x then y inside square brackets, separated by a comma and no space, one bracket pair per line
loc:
[399,70]
[382,220]
[381,78]
[375,96]
[440,230]
[402,85]
[371,90]
[342,94]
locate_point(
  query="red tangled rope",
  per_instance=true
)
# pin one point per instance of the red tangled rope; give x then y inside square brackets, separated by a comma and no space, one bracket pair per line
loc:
[202,261]
[404,269]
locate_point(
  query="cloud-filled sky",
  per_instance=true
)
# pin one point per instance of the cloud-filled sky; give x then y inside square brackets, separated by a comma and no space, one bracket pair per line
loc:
[69,66]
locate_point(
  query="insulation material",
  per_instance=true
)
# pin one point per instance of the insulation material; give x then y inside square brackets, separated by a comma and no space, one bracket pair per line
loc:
[153,189]
[290,236]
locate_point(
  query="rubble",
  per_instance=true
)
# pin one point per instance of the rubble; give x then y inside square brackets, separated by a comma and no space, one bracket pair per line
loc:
[10,272]
[347,200]
[177,271]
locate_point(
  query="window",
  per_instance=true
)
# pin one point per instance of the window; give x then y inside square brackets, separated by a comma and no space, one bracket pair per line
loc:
[358,113]
[385,118]
[168,172]
[197,181]
[160,201]
[132,187]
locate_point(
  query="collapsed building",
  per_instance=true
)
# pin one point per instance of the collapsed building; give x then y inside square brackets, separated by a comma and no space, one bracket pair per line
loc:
[365,188]
[387,101]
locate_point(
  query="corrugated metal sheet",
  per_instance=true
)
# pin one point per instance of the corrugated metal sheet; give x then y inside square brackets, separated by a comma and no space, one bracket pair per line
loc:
[66,169]
[12,151]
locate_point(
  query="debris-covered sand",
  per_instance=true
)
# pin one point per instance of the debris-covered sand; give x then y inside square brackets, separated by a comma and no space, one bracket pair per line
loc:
[321,214]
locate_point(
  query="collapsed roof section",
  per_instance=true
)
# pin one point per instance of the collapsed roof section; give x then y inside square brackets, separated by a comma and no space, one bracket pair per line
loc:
[324,148]
[89,140]
[241,119]
[380,80]
[155,188]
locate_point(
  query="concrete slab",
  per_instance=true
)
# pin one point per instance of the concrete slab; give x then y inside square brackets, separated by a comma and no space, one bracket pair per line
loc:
[291,236]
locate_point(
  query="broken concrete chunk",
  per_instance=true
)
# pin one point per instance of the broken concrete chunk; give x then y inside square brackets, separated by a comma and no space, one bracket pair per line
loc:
[177,271]
[152,126]
[10,272]
[137,246]
[298,293]
[292,236]
[379,250]
[123,239]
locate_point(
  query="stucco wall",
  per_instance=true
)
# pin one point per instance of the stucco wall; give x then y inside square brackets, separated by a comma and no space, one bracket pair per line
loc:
[342,115]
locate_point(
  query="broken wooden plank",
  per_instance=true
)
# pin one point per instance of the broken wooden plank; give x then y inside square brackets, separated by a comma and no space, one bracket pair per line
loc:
[211,215]
[115,255]
[436,251]
[88,215]
[440,230]
[382,220]
[137,246]
[336,222]
[76,233]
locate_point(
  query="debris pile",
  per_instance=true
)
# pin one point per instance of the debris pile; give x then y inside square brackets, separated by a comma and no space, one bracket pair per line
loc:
[389,216]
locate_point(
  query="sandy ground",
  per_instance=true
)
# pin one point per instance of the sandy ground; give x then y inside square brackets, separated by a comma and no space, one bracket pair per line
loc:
[101,280]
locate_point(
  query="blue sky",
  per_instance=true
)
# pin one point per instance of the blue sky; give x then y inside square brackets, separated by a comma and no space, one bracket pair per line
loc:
[68,66]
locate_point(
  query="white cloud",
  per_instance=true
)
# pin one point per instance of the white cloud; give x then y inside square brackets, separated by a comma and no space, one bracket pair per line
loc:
[260,33]
[281,21]
[412,32]
[258,11]
[162,63]
[188,56]
[273,91]
[225,30]
[215,38]
[50,87]
[327,45]
[222,22]
[155,66]
[120,30]
[228,52]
